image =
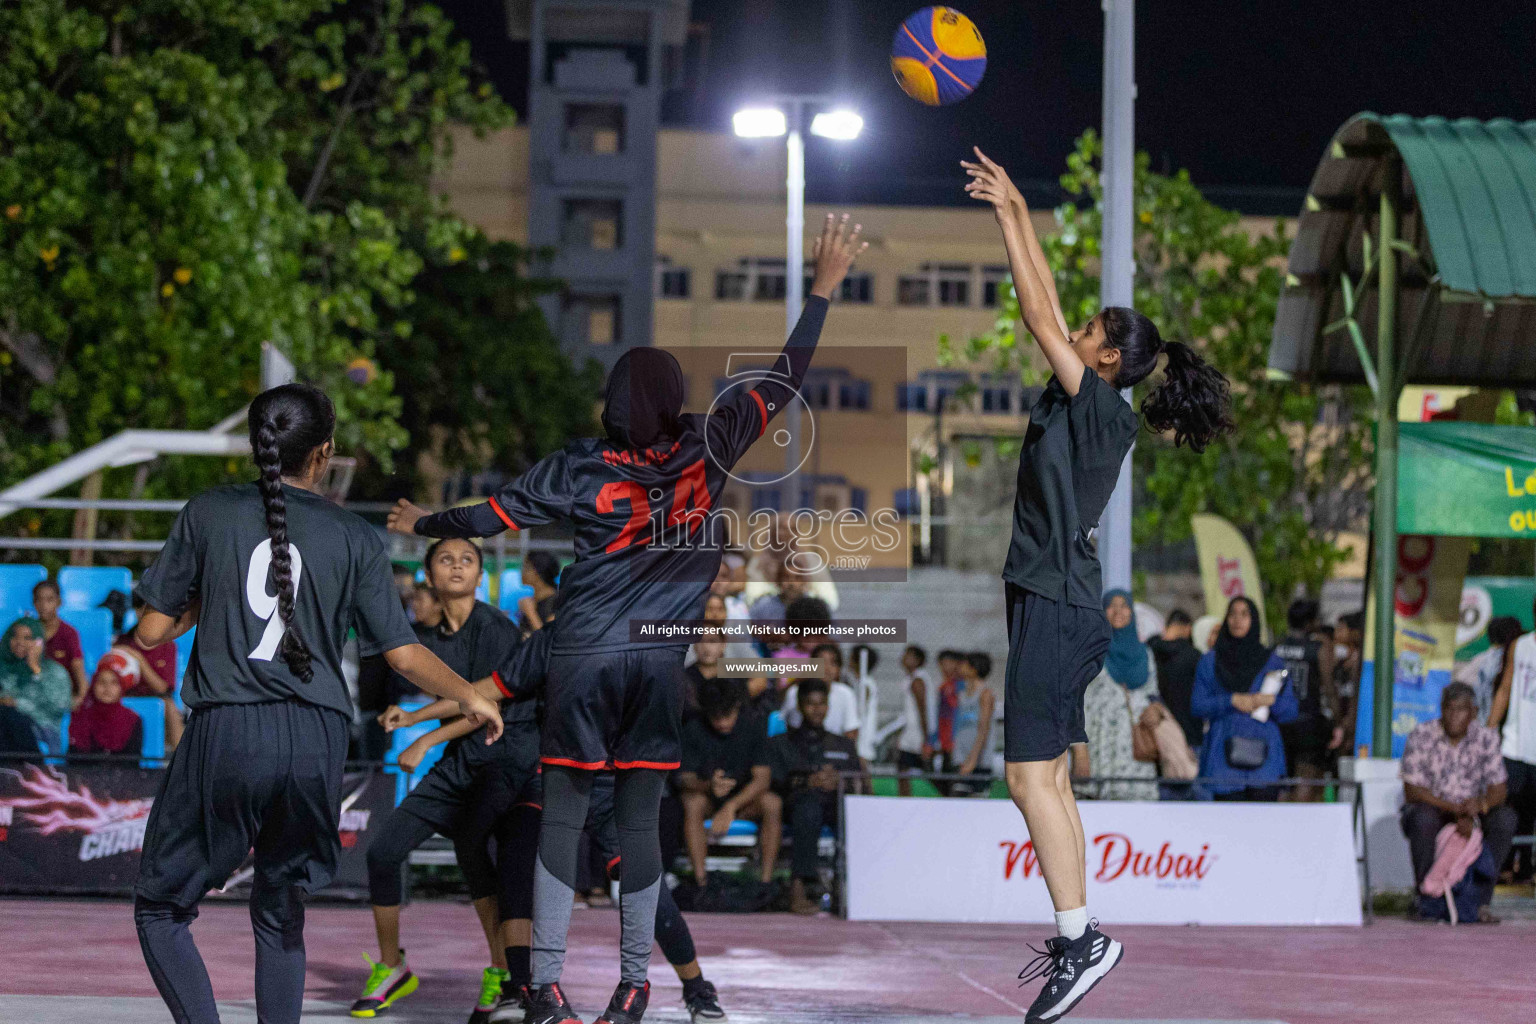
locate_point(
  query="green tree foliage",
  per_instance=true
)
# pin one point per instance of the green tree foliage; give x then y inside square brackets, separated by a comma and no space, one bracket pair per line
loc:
[1296,472]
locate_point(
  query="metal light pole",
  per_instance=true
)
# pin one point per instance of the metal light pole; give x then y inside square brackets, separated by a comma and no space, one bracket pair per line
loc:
[786,117]
[1117,270]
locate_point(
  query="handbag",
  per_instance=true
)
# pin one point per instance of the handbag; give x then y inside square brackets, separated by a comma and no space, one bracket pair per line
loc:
[1143,742]
[1246,753]
[1175,758]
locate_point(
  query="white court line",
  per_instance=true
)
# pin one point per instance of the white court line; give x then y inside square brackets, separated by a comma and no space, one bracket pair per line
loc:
[962,975]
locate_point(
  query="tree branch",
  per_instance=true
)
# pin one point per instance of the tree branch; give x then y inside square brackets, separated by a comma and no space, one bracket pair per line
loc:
[343,115]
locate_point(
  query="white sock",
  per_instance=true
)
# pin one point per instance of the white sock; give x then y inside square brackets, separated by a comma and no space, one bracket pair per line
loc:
[1071,924]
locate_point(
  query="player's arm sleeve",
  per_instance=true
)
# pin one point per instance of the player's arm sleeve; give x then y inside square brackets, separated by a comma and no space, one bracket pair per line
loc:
[538,496]
[736,424]
[377,614]
[169,585]
[521,674]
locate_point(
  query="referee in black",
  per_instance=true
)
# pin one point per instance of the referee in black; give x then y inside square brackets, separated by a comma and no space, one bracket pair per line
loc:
[274,576]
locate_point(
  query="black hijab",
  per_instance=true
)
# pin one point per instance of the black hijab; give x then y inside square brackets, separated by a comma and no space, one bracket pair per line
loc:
[643,399]
[1239,660]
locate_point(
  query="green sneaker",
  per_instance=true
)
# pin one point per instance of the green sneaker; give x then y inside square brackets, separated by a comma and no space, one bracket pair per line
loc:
[490,994]
[385,985]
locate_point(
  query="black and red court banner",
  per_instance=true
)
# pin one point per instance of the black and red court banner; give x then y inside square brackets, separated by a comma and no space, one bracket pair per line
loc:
[80,828]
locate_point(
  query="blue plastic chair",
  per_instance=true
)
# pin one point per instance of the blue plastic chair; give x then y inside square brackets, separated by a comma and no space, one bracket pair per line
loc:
[95,628]
[88,586]
[16,583]
[183,659]
[739,829]
[513,590]
[776,724]
[398,741]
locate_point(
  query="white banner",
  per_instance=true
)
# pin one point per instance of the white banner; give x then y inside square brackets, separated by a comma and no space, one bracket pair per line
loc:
[1148,863]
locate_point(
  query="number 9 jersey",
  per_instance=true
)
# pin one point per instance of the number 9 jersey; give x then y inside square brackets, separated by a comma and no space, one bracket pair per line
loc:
[647,546]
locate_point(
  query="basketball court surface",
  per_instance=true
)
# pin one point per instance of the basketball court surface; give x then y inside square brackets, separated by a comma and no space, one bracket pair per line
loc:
[69,961]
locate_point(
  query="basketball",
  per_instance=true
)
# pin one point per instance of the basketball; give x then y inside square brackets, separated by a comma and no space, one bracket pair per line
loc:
[938,56]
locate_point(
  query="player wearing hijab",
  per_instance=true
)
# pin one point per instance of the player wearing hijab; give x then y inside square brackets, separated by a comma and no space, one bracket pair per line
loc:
[640,502]
[274,576]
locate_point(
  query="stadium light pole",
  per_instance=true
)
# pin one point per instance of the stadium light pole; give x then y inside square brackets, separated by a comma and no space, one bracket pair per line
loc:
[1116,278]
[785,115]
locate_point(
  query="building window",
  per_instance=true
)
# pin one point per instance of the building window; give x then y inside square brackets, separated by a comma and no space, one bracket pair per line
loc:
[730,285]
[760,279]
[911,398]
[952,285]
[592,224]
[997,398]
[938,284]
[817,392]
[591,319]
[913,291]
[672,282]
[858,499]
[992,278]
[595,129]
[905,502]
[856,288]
[853,394]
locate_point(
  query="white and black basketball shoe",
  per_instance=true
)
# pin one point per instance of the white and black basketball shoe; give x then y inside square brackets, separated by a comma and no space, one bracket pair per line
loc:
[1070,969]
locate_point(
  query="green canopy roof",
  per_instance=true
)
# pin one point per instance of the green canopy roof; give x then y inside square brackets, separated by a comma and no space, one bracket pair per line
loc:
[1467,312]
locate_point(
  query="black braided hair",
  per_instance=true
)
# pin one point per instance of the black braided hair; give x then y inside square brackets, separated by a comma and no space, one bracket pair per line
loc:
[287,424]
[1193,399]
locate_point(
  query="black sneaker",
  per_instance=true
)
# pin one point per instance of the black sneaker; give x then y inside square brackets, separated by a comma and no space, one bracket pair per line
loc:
[704,1005]
[627,1005]
[547,1005]
[1070,969]
[512,1007]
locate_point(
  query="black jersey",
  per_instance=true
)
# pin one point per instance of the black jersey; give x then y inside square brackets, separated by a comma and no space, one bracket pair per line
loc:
[647,541]
[1301,656]
[1071,458]
[486,638]
[219,549]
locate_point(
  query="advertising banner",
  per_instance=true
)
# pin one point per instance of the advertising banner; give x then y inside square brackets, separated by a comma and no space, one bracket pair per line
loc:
[1227,566]
[1430,572]
[1463,479]
[80,828]
[1485,598]
[1148,863]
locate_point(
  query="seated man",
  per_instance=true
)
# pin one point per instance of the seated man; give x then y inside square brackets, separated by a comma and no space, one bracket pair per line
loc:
[724,775]
[1453,772]
[806,764]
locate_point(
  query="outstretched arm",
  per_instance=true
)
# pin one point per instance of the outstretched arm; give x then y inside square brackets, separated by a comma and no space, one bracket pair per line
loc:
[1032,280]
[428,672]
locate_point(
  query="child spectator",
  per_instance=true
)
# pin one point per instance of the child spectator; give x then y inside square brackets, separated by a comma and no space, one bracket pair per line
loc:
[101,724]
[140,676]
[32,683]
[426,609]
[62,640]
[843,716]
[972,726]
[806,764]
[725,776]
[920,704]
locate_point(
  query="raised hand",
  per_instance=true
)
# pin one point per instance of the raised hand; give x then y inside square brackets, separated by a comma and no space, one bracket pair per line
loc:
[402,518]
[990,183]
[835,252]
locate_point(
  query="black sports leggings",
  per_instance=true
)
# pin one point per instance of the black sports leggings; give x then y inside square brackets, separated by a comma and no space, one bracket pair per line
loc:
[402,833]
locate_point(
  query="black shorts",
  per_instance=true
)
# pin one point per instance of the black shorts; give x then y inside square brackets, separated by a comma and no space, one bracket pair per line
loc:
[614,709]
[247,776]
[442,797]
[1306,743]
[1055,650]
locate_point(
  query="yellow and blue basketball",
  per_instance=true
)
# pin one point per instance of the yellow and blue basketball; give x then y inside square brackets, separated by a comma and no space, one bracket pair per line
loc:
[938,56]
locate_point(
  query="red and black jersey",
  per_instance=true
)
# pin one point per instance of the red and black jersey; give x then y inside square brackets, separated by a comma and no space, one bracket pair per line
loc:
[647,545]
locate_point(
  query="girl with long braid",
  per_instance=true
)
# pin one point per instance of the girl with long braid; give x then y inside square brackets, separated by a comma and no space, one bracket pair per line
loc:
[274,576]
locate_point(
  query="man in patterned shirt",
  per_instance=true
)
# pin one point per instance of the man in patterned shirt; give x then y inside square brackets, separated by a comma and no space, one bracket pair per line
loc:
[1453,772]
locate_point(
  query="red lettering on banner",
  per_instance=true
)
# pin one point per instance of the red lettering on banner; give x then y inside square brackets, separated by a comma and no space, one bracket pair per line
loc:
[1229,576]
[1118,858]
[1016,851]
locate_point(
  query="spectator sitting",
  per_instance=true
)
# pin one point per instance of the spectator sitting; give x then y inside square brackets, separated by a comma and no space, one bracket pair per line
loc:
[806,622]
[426,609]
[807,762]
[1482,672]
[971,727]
[63,640]
[540,571]
[920,703]
[1176,657]
[139,672]
[1243,756]
[843,716]
[771,610]
[33,684]
[101,724]
[725,776]
[705,666]
[716,610]
[1453,773]
[1120,695]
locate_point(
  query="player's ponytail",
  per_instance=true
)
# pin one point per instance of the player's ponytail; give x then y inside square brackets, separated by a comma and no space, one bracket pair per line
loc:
[287,424]
[1193,400]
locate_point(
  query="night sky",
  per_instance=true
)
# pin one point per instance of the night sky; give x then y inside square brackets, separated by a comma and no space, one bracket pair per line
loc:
[1243,93]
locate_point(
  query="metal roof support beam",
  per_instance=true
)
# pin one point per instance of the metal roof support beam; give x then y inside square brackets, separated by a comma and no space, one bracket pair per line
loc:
[1390,379]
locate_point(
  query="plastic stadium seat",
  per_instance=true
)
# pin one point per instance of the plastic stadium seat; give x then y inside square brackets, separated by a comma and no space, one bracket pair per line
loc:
[513,590]
[398,741]
[95,628]
[16,583]
[183,658]
[88,586]
[776,724]
[741,833]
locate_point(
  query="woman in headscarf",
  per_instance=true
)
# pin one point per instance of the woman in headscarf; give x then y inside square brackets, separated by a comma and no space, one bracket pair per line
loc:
[1243,756]
[1203,633]
[35,685]
[1115,701]
[101,724]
